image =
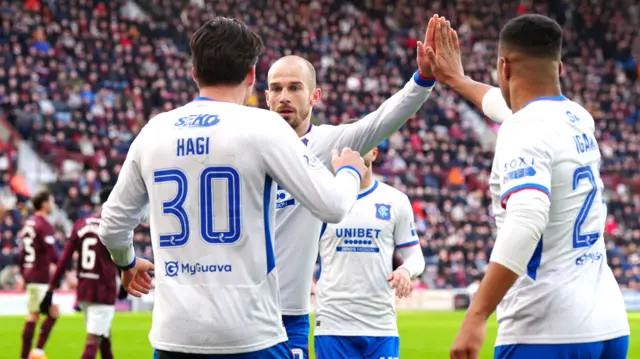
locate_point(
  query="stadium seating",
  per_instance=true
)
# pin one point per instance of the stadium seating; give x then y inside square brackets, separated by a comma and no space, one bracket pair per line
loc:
[79,83]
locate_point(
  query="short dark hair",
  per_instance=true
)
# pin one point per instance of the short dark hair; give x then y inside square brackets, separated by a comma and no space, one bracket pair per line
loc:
[533,35]
[104,194]
[40,199]
[223,52]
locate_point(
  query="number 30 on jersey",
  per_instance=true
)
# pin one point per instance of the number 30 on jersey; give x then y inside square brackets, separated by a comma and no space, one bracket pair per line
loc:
[175,206]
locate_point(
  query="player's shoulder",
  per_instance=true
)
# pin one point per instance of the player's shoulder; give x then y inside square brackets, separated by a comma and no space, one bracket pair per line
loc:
[390,194]
[42,223]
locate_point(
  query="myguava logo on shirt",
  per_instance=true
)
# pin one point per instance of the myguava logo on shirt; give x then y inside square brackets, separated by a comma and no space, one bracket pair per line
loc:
[171,268]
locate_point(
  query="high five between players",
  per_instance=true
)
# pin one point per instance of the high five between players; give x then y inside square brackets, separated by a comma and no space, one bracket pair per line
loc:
[555,294]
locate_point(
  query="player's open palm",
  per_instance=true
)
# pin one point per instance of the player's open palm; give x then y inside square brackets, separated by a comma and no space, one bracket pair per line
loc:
[137,280]
[400,280]
[445,58]
[469,340]
[349,158]
[424,65]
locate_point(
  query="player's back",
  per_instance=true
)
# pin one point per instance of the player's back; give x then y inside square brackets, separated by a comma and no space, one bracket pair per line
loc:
[38,250]
[210,210]
[569,294]
[96,271]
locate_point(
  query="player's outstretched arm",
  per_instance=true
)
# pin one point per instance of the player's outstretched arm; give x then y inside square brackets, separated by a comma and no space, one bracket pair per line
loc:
[365,134]
[124,209]
[446,64]
[295,168]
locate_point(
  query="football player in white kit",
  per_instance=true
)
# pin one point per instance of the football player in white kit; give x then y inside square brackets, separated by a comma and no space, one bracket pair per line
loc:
[208,170]
[556,297]
[355,306]
[292,92]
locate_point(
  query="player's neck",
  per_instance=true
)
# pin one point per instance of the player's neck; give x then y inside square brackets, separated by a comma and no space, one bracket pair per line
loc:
[233,94]
[41,214]
[303,128]
[367,180]
[522,95]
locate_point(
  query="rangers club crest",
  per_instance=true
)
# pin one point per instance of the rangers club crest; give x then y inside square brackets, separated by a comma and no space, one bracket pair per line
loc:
[383,211]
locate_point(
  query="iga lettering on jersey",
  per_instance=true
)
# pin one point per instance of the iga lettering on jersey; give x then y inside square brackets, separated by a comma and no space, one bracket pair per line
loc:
[585,143]
[173,268]
[198,120]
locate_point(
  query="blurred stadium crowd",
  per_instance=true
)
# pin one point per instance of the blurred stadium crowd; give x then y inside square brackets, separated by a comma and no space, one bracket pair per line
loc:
[79,79]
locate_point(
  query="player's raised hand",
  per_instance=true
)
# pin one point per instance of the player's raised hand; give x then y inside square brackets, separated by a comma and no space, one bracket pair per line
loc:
[350,158]
[400,280]
[445,58]
[424,65]
[137,280]
[469,340]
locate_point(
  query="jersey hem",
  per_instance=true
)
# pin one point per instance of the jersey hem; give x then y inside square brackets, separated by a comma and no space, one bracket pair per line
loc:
[320,333]
[295,311]
[216,350]
[562,340]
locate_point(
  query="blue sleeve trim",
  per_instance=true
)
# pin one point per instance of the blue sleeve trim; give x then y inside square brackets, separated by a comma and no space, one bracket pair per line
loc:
[422,82]
[268,188]
[523,187]
[349,168]
[131,265]
[408,244]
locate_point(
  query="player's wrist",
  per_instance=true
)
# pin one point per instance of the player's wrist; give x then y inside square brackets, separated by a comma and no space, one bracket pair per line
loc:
[424,80]
[350,169]
[404,271]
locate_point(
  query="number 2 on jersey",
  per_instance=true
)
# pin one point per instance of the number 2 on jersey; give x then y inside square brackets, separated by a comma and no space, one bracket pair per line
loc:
[587,239]
[175,206]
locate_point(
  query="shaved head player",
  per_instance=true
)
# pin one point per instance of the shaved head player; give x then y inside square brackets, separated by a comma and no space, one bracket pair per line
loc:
[292,92]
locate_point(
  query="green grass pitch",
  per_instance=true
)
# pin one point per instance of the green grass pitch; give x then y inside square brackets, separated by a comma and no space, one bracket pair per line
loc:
[423,335]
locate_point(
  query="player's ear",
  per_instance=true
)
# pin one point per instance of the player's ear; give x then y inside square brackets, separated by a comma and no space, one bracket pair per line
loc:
[505,69]
[374,154]
[316,96]
[193,75]
[266,97]
[560,69]
[251,76]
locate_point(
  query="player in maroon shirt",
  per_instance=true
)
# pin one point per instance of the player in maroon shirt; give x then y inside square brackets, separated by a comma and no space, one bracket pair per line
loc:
[97,287]
[37,253]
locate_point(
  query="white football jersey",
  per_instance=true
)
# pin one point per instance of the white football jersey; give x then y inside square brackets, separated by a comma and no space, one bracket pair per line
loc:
[296,257]
[569,293]
[208,171]
[353,297]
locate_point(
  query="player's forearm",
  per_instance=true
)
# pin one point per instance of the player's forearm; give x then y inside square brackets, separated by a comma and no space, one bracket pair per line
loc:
[495,285]
[485,97]
[377,126]
[334,206]
[61,266]
[119,243]
[413,260]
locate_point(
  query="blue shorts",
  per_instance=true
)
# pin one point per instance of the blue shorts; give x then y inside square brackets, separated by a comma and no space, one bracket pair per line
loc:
[610,349]
[297,327]
[343,347]
[278,351]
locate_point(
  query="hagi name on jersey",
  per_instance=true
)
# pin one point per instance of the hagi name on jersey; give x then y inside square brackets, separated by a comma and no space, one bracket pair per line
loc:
[192,146]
